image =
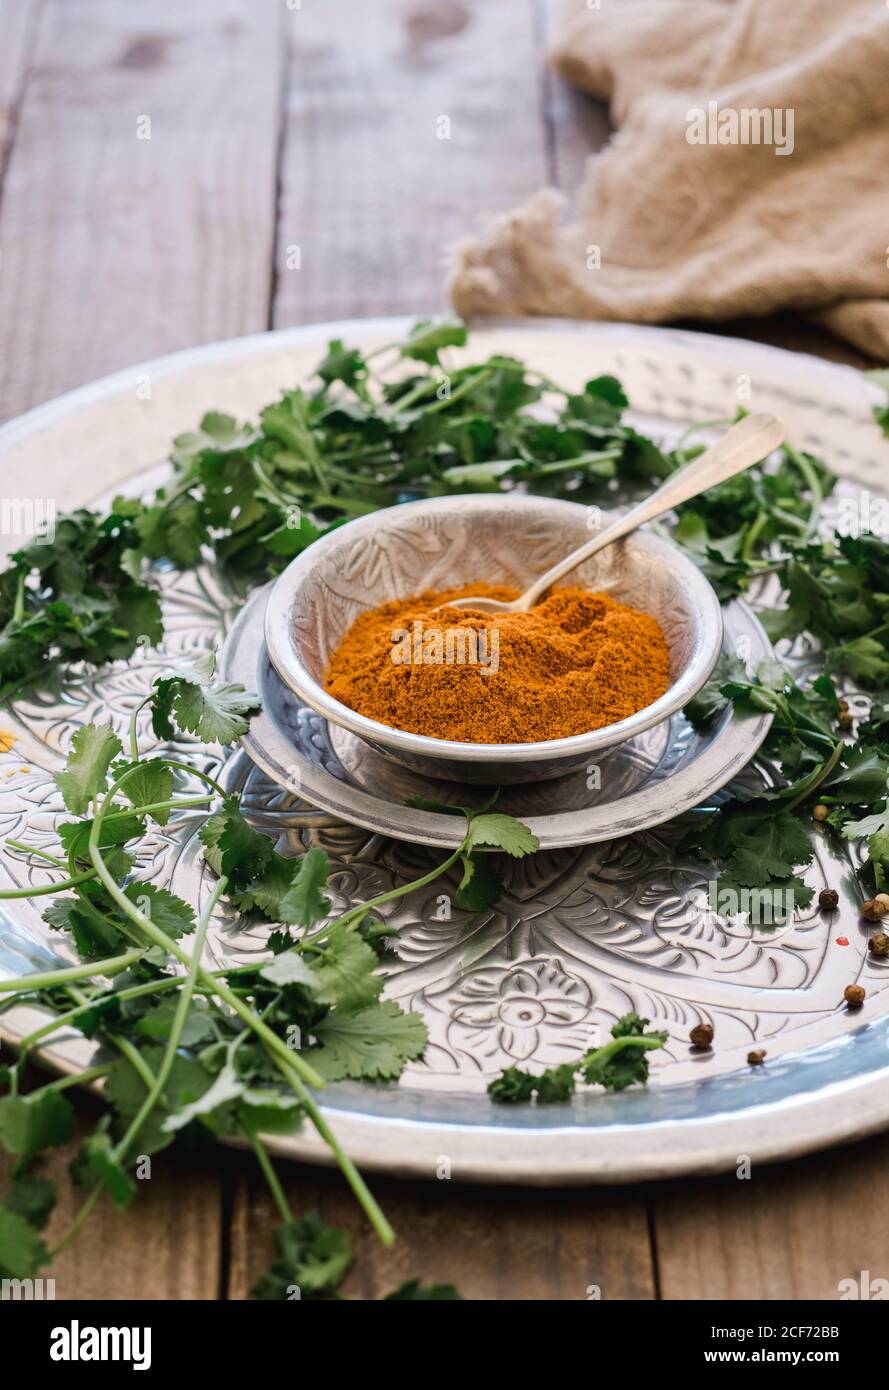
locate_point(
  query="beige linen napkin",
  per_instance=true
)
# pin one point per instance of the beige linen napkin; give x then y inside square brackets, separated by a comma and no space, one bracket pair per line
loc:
[668,225]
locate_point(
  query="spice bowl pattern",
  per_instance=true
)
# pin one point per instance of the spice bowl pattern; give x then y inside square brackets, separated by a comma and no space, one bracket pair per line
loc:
[451,541]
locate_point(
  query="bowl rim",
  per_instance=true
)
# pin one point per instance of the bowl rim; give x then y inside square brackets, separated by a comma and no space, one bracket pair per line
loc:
[286,660]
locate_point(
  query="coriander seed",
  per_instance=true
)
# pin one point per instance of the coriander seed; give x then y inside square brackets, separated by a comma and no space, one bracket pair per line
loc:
[820,812]
[702,1036]
[854,996]
[756,1059]
[879,945]
[828,899]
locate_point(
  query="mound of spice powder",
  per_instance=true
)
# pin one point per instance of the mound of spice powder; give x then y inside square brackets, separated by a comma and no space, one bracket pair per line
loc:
[577,661]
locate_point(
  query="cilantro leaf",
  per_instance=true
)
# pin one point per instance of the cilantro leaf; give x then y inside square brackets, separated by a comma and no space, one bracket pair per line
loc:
[344,975]
[125,1091]
[711,698]
[149,782]
[303,903]
[312,1261]
[501,832]
[224,1088]
[267,1111]
[342,364]
[93,749]
[619,1063]
[22,1252]
[481,886]
[427,338]
[29,1124]
[167,911]
[513,1086]
[232,847]
[31,1198]
[96,1162]
[374,1043]
[215,713]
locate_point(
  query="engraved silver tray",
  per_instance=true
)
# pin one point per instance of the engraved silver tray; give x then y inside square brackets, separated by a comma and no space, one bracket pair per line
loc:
[583,933]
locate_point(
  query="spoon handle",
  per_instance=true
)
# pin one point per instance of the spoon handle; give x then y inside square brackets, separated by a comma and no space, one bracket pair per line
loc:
[746,443]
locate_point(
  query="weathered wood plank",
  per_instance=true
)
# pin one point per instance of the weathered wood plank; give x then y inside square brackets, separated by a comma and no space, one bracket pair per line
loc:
[117,246]
[166,1245]
[18,31]
[790,1231]
[406,125]
[492,1243]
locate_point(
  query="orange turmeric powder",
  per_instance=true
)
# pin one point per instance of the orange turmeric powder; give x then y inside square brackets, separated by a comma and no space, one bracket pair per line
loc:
[575,662]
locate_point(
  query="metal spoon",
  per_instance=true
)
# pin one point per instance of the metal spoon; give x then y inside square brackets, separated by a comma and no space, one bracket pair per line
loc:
[746,443]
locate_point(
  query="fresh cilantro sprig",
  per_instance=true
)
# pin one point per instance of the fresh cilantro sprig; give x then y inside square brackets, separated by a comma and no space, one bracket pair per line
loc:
[218,1053]
[761,840]
[615,1065]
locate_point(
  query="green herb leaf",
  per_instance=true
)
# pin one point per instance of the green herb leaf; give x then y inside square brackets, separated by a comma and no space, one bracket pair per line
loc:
[375,1043]
[93,749]
[29,1124]
[501,832]
[22,1252]
[312,1261]
[303,904]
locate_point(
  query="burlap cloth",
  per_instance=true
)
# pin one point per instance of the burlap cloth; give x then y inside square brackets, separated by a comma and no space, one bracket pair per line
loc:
[667,229]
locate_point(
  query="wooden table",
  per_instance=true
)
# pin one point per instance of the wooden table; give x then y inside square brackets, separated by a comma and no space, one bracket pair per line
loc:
[294,173]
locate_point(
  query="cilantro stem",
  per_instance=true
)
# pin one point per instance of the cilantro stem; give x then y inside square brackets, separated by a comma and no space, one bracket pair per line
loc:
[172,947]
[39,853]
[610,1049]
[813,781]
[810,478]
[753,534]
[215,986]
[48,979]
[196,772]
[183,1004]
[134,1057]
[46,888]
[362,1192]
[265,481]
[268,1172]
[358,912]
[134,739]
[697,425]
[579,461]
[18,611]
[154,806]
[81,1078]
[416,393]
[78,1223]
[462,390]
[119,996]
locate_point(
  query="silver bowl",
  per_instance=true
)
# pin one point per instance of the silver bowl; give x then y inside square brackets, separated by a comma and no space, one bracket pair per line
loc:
[450,541]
